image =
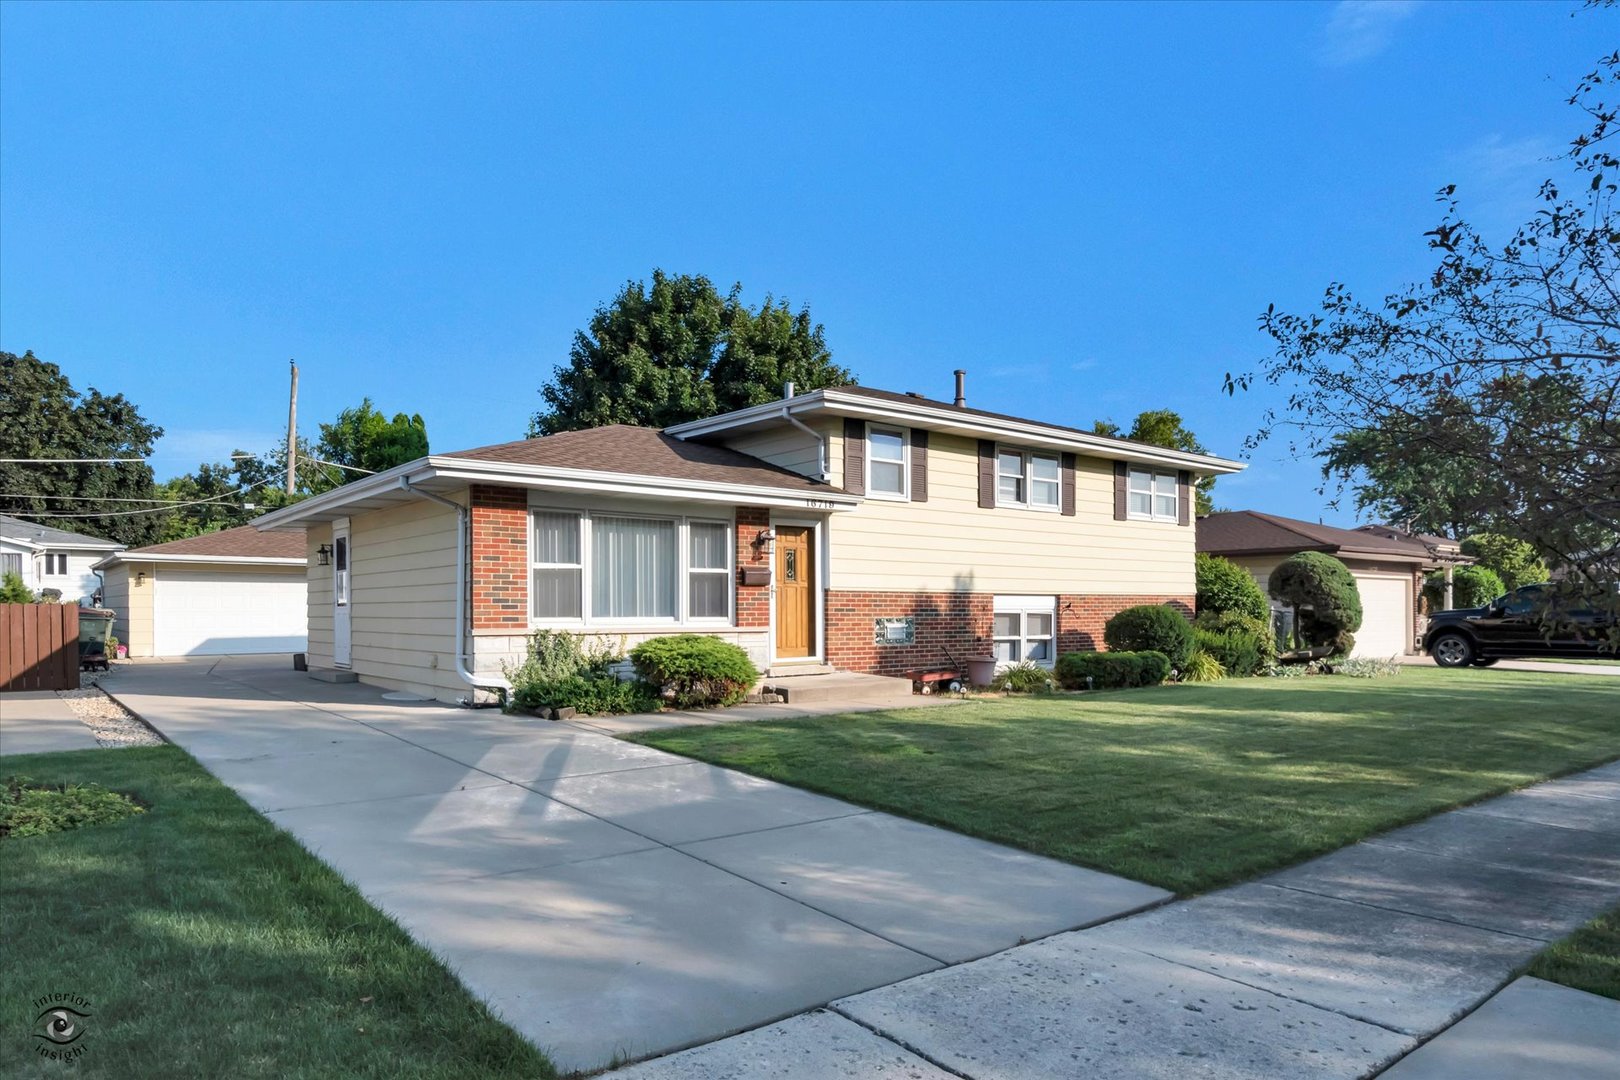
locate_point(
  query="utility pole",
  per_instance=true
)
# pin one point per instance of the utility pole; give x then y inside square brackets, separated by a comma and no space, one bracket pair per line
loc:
[292,431]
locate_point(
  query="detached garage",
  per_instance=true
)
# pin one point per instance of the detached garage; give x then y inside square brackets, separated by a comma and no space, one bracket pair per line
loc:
[234,591]
[1387,564]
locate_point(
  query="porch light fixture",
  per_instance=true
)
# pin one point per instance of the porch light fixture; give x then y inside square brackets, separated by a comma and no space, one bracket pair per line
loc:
[324,554]
[140,577]
[765,536]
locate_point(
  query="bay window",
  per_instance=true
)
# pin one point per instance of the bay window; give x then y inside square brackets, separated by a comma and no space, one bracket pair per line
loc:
[1153,495]
[600,568]
[1028,479]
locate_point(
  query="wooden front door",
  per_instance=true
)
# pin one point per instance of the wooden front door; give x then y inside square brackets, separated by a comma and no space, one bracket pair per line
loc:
[795,592]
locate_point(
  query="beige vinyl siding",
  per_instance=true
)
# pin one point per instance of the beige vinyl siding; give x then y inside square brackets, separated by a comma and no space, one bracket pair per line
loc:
[319,652]
[403,600]
[785,446]
[1259,567]
[132,623]
[950,543]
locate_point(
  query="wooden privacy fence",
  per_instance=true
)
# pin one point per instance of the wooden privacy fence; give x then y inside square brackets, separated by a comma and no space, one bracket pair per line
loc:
[39,647]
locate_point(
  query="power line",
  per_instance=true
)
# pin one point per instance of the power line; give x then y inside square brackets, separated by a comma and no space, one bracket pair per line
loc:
[97,498]
[147,510]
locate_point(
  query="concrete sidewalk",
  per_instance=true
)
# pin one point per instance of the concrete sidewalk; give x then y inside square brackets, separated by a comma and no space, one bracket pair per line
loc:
[1335,968]
[609,900]
[40,722]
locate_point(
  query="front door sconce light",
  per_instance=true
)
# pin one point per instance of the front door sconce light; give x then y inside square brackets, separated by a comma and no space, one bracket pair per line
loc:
[765,536]
[324,554]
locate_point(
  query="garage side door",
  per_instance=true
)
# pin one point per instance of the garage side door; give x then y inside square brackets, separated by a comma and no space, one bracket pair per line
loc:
[1386,616]
[210,612]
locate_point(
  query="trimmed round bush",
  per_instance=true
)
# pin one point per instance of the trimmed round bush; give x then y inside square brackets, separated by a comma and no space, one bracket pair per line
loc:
[1111,670]
[1151,627]
[1321,589]
[695,671]
[1471,586]
[1225,587]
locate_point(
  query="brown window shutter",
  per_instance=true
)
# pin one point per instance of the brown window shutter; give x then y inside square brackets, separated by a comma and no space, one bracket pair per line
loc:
[1067,498]
[1184,501]
[1120,472]
[919,466]
[855,456]
[987,473]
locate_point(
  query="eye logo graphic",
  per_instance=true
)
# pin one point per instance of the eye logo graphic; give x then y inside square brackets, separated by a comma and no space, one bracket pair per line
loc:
[60,1026]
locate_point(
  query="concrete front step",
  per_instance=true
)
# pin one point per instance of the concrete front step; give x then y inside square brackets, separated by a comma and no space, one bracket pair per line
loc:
[333,675]
[840,686]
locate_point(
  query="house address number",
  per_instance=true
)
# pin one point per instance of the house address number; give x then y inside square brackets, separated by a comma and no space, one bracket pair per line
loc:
[820,504]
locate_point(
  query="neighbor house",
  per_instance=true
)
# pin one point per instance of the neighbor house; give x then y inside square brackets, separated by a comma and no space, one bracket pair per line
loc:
[233,591]
[47,558]
[847,528]
[1388,565]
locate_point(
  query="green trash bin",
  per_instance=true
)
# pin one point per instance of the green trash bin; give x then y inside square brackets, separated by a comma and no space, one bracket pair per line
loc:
[95,624]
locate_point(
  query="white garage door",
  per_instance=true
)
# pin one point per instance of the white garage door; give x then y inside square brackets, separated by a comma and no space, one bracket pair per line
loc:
[209,612]
[1386,616]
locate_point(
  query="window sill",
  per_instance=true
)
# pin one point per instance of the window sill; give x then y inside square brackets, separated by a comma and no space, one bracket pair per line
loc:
[889,496]
[1036,509]
[1152,519]
[634,626]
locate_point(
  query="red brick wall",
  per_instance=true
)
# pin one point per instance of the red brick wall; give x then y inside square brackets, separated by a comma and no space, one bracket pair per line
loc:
[753,601]
[1081,618]
[958,622]
[500,558]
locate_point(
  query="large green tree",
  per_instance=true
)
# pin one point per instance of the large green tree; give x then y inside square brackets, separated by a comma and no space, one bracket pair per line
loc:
[43,416]
[679,350]
[1500,369]
[1164,427]
[364,439]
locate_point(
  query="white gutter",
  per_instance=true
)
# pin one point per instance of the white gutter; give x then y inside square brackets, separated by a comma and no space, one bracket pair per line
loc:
[211,560]
[486,682]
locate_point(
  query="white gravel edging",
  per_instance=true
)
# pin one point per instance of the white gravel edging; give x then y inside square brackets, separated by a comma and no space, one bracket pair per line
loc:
[108,721]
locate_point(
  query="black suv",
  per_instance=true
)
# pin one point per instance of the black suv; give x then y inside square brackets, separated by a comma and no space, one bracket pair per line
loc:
[1511,627]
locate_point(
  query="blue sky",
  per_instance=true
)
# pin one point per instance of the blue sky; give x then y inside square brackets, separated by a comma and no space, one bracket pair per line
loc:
[1086,206]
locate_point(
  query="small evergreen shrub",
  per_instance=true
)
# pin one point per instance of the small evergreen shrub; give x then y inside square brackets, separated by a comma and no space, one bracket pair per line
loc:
[561,671]
[1111,670]
[1025,678]
[13,591]
[1240,652]
[1224,587]
[1202,667]
[31,809]
[1322,591]
[695,671]
[1151,628]
[1471,587]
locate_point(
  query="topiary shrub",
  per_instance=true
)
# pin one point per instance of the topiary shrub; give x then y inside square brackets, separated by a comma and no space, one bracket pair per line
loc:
[1241,652]
[1111,670]
[1225,587]
[695,671]
[1471,587]
[1151,627]
[1323,594]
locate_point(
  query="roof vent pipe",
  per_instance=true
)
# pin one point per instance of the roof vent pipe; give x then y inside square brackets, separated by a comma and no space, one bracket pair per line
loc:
[961,389]
[787,390]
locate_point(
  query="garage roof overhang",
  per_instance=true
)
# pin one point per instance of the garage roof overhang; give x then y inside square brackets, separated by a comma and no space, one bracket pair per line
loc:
[449,476]
[203,560]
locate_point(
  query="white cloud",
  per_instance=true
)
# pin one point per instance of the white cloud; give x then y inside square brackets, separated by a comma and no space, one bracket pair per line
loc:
[1361,29]
[1498,179]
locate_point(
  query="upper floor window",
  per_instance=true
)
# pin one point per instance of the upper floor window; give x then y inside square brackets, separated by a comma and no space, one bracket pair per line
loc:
[1028,479]
[886,459]
[1153,495]
[55,565]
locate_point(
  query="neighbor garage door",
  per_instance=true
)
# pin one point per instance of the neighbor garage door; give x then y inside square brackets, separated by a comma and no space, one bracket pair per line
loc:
[209,612]
[1386,615]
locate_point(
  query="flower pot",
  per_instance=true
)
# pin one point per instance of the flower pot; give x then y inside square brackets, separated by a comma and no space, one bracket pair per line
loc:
[123,651]
[981,670]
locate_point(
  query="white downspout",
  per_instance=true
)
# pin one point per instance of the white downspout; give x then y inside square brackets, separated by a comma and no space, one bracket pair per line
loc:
[484,682]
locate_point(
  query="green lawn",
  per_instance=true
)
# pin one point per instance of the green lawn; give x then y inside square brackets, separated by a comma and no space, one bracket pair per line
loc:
[1191,787]
[1589,959]
[209,943]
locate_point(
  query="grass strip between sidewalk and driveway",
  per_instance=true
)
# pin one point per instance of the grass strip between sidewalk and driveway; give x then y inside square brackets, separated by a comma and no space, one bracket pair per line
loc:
[1196,786]
[207,942]
[1589,959]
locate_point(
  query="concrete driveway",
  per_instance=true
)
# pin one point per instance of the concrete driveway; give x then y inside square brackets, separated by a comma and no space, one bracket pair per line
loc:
[609,900]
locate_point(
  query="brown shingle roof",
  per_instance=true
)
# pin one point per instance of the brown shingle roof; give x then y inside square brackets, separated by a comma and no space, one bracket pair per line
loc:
[244,542]
[638,451]
[1249,531]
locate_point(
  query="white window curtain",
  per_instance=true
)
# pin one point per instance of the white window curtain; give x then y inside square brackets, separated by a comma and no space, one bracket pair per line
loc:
[558,571]
[634,567]
[709,570]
